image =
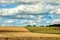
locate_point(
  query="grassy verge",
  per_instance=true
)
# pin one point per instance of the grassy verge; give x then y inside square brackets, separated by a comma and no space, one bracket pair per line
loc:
[49,30]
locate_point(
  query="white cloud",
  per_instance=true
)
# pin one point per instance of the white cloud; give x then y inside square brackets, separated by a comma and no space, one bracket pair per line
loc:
[22,8]
[57,1]
[57,11]
[18,16]
[9,21]
[23,21]
[55,21]
[34,9]
[7,11]
[36,6]
[36,20]
[31,16]
[50,7]
[39,19]
[31,22]
[24,1]
[51,12]
[11,11]
[48,21]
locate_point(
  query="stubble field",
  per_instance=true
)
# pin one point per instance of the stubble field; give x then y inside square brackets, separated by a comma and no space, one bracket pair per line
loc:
[21,33]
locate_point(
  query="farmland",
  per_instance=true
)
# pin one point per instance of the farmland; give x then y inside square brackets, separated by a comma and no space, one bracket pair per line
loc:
[21,33]
[13,29]
[48,30]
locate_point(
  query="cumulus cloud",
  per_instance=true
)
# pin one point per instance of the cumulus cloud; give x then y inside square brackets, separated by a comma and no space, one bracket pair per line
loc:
[31,22]
[23,1]
[19,1]
[57,11]
[30,7]
[10,11]
[22,8]
[6,11]
[57,1]
[37,8]
[9,21]
[36,20]
[55,21]
[26,9]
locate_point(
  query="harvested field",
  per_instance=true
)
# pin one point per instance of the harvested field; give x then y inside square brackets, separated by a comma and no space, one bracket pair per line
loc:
[15,33]
[13,29]
[27,36]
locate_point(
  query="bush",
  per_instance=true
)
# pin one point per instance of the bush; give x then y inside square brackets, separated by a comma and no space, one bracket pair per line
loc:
[34,25]
[28,26]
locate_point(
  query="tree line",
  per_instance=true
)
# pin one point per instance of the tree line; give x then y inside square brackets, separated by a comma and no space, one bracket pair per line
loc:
[54,25]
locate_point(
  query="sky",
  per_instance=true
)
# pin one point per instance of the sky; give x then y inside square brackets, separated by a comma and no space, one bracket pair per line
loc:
[29,12]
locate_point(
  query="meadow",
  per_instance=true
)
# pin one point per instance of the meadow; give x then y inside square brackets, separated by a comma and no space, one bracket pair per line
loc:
[48,30]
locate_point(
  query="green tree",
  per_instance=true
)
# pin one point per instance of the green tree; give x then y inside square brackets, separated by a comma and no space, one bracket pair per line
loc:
[34,25]
[28,25]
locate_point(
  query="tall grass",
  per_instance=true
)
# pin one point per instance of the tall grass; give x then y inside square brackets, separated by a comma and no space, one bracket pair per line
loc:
[50,30]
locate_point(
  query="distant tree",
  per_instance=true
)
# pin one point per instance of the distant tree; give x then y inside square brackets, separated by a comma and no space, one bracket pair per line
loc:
[54,25]
[28,26]
[34,25]
[41,26]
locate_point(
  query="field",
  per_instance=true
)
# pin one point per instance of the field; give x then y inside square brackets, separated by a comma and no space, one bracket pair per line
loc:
[27,36]
[21,33]
[13,29]
[48,30]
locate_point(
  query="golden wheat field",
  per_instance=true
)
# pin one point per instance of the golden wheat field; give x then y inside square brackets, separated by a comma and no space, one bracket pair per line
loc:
[13,29]
[21,33]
